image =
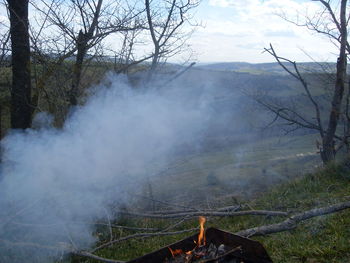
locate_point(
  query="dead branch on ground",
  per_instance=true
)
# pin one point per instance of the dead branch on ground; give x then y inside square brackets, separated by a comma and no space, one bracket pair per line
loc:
[288,224]
[293,221]
[206,213]
[221,209]
[92,256]
[142,235]
[167,204]
[64,247]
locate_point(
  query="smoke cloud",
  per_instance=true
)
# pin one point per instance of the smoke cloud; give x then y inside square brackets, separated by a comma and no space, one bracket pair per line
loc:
[54,181]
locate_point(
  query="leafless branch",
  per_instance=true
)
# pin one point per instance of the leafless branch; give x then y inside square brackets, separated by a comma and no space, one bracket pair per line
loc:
[296,74]
[92,256]
[142,235]
[164,28]
[292,221]
[207,213]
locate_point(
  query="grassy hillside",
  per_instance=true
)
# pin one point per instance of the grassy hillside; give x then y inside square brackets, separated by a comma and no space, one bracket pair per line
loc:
[268,68]
[237,161]
[224,89]
[240,169]
[322,239]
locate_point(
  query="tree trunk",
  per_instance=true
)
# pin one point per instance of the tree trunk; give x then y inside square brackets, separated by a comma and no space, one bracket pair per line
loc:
[21,109]
[328,150]
[154,64]
[155,42]
[77,68]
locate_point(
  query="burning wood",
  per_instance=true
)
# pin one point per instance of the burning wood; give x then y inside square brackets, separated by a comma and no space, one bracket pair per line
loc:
[203,252]
[209,246]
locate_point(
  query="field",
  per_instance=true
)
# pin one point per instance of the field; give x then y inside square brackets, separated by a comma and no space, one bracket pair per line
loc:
[239,171]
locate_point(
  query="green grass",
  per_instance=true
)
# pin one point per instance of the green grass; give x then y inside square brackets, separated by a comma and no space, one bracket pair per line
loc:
[247,166]
[321,239]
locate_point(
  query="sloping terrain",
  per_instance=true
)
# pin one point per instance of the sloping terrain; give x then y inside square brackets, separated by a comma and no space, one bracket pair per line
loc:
[321,239]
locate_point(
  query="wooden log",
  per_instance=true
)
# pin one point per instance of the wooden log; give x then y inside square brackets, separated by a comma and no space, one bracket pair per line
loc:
[291,222]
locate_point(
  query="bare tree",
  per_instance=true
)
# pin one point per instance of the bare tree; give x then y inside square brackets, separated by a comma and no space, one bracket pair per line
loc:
[4,44]
[5,83]
[21,109]
[80,27]
[125,58]
[327,128]
[66,36]
[82,41]
[328,149]
[165,20]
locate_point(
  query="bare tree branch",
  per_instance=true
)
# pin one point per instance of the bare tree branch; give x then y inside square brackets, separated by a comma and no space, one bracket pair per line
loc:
[142,235]
[296,74]
[292,221]
[207,213]
[92,256]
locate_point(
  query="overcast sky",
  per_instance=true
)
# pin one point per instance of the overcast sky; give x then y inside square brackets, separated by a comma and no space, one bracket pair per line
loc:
[238,30]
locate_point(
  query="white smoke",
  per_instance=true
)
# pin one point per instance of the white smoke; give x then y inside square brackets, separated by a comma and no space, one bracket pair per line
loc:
[54,180]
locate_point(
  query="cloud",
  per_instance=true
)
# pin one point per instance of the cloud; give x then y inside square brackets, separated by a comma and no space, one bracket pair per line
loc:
[250,46]
[233,3]
[279,33]
[3,18]
[256,24]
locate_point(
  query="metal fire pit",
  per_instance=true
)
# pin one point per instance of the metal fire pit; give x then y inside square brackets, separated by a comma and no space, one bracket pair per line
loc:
[251,251]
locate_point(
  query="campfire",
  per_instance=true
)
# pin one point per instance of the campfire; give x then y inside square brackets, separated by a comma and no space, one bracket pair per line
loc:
[201,252]
[211,245]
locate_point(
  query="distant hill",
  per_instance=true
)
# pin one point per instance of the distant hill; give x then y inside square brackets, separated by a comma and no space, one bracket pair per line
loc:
[267,68]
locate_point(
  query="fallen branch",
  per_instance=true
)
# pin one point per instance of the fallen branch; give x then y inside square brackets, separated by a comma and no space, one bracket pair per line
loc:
[175,225]
[171,212]
[285,225]
[63,246]
[233,208]
[167,204]
[221,209]
[87,223]
[292,221]
[89,255]
[128,227]
[207,213]
[141,235]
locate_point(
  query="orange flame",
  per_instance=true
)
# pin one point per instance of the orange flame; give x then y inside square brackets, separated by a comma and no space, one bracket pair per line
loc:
[201,241]
[175,252]
[201,235]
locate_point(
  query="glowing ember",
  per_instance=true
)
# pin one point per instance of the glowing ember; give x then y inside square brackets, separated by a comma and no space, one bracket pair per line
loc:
[210,245]
[175,252]
[198,252]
